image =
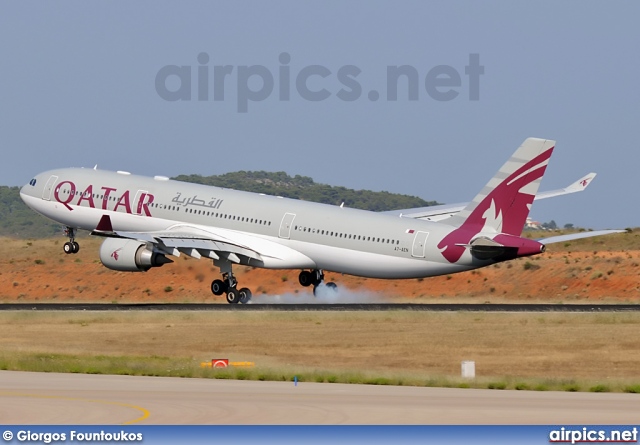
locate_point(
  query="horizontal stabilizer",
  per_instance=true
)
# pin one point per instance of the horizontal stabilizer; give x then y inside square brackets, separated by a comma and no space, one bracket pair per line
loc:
[574,236]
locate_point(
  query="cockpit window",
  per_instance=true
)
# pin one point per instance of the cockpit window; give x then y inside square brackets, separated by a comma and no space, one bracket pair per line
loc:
[32,182]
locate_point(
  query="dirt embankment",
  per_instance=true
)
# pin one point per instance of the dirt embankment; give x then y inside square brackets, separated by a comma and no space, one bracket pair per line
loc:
[37,270]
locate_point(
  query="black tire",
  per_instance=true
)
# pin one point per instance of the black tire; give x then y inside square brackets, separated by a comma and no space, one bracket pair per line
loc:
[68,248]
[305,278]
[245,295]
[333,286]
[76,247]
[233,296]
[218,287]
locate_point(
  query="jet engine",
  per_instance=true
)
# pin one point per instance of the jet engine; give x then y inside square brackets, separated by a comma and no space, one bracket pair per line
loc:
[130,255]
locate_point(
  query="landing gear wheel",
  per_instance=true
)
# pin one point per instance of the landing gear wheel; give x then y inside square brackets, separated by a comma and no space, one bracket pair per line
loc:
[218,287]
[233,296]
[245,295]
[71,246]
[228,284]
[305,278]
[311,278]
[68,247]
[333,286]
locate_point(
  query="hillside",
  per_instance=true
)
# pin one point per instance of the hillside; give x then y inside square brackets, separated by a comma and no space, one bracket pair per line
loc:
[304,188]
[18,221]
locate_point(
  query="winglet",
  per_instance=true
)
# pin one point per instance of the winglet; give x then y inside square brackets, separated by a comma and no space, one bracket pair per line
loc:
[581,183]
[104,225]
[578,186]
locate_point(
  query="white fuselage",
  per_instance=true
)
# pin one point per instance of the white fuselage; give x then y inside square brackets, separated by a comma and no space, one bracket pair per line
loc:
[288,233]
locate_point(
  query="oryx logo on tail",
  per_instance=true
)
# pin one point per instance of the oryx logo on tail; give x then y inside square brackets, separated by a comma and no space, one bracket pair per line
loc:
[504,203]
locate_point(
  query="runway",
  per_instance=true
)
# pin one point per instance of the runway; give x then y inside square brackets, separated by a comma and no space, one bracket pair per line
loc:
[321,307]
[62,399]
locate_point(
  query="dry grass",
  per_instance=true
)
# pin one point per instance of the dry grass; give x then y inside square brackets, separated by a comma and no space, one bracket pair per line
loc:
[524,351]
[597,352]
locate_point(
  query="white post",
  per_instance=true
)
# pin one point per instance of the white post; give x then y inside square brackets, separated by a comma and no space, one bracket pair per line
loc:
[469,369]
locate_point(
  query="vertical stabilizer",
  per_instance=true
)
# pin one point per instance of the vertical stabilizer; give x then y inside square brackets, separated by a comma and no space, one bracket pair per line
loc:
[503,205]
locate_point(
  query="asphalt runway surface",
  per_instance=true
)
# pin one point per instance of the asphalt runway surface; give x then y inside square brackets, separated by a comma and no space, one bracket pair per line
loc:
[322,307]
[69,399]
[61,399]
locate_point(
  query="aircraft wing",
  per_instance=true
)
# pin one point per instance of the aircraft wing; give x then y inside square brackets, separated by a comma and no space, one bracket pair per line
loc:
[440,212]
[211,243]
[578,186]
[431,213]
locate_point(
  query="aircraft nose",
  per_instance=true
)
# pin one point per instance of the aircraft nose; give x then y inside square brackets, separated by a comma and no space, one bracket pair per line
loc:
[29,188]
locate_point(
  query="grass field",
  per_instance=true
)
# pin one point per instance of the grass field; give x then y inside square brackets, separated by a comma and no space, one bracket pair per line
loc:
[563,351]
[572,352]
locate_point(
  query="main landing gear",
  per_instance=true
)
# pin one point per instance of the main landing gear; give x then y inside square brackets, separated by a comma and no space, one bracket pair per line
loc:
[229,284]
[71,246]
[314,278]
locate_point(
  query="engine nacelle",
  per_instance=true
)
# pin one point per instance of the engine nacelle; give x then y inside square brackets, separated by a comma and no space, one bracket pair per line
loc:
[130,255]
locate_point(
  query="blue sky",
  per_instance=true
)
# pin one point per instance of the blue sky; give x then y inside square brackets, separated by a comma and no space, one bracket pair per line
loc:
[78,88]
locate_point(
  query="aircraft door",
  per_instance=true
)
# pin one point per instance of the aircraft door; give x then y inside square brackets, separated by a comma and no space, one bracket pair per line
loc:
[286,224]
[48,188]
[419,244]
[138,201]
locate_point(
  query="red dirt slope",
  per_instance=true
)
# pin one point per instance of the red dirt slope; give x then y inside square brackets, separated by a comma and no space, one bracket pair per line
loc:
[37,270]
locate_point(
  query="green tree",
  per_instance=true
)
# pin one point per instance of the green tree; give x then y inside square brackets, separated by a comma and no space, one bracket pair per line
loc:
[17,220]
[303,187]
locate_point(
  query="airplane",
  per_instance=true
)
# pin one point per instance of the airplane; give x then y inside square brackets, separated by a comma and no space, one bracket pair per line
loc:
[145,220]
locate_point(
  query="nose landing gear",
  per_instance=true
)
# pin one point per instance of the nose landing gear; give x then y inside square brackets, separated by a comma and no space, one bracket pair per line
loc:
[71,246]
